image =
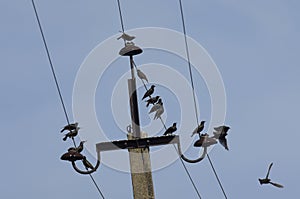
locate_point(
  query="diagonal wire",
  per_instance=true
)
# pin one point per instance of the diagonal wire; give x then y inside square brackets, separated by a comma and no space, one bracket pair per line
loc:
[212,166]
[50,62]
[56,81]
[121,17]
[189,62]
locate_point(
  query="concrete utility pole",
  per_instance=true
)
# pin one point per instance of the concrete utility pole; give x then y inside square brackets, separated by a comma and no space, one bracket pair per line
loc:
[140,164]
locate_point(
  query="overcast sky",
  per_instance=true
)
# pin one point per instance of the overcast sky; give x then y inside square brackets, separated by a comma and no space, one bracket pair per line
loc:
[255,45]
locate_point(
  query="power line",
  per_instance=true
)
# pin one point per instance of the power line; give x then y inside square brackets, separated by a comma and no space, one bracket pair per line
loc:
[56,82]
[212,166]
[121,17]
[188,59]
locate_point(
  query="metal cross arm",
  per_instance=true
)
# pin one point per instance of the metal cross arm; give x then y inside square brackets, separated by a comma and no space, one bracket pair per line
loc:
[146,143]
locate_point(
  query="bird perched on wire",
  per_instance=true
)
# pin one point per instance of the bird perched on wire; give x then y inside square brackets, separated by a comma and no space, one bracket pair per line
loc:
[267,180]
[171,129]
[78,149]
[201,140]
[142,75]
[70,127]
[220,134]
[159,112]
[87,164]
[152,100]
[156,106]
[71,134]
[199,128]
[126,37]
[149,92]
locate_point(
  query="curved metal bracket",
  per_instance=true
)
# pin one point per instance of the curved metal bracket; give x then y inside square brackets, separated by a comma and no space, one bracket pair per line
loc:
[188,160]
[88,171]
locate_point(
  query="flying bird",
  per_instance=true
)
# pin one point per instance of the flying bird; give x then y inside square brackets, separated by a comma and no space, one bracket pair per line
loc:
[142,75]
[171,129]
[78,149]
[159,112]
[126,37]
[202,139]
[156,106]
[220,134]
[87,164]
[152,100]
[267,180]
[71,134]
[149,92]
[70,127]
[199,128]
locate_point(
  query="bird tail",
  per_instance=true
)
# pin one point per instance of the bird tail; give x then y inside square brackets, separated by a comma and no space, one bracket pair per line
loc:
[65,138]
[120,37]
[147,104]
[62,130]
[276,184]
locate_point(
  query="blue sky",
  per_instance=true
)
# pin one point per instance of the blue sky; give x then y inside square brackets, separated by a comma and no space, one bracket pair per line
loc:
[255,45]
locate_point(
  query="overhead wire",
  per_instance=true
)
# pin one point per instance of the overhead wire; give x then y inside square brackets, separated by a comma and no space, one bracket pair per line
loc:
[56,81]
[193,89]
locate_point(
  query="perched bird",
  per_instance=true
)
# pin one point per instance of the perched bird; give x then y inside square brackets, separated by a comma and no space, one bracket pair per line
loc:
[156,106]
[202,139]
[152,100]
[71,134]
[78,149]
[149,92]
[199,128]
[171,129]
[70,127]
[126,37]
[87,164]
[220,134]
[267,180]
[159,112]
[142,75]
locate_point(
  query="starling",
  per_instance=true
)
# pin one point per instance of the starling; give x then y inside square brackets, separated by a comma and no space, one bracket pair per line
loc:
[126,37]
[202,139]
[78,149]
[149,92]
[71,134]
[142,75]
[267,180]
[171,129]
[159,112]
[156,106]
[199,128]
[152,100]
[87,164]
[70,127]
[220,134]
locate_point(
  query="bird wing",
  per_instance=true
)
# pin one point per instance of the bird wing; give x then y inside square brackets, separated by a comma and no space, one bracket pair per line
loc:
[199,142]
[223,142]
[276,184]
[195,131]
[269,170]
[154,108]
[219,128]
[159,112]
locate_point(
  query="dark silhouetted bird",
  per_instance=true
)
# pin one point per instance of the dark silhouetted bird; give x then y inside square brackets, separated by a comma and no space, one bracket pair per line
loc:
[126,37]
[152,100]
[159,112]
[70,127]
[202,139]
[71,134]
[220,134]
[199,128]
[156,106]
[171,129]
[78,149]
[149,92]
[267,180]
[142,75]
[87,164]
